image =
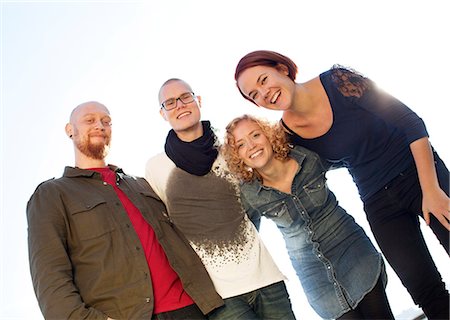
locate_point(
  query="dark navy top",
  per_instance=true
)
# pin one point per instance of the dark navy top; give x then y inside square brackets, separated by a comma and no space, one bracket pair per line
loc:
[370,134]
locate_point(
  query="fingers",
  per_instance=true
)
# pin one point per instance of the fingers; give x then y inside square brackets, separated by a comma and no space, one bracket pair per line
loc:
[443,219]
[426,216]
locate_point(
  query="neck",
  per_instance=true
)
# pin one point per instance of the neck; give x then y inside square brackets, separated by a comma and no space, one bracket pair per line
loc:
[272,171]
[84,162]
[303,100]
[191,134]
[279,174]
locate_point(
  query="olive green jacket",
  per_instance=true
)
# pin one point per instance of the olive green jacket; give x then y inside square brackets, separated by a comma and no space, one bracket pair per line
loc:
[86,260]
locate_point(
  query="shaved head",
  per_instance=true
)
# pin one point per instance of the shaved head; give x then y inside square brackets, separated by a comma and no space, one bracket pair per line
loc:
[90,129]
[86,106]
[161,90]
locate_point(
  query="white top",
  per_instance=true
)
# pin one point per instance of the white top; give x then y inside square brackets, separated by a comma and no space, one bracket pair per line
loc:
[208,211]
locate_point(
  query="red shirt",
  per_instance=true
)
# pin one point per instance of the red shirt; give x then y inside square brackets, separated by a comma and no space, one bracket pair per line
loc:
[168,291]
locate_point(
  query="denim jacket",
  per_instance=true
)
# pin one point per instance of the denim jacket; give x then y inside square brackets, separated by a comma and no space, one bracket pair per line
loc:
[334,259]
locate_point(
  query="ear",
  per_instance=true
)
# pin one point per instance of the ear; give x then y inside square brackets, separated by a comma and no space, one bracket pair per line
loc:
[199,100]
[162,112]
[282,68]
[69,130]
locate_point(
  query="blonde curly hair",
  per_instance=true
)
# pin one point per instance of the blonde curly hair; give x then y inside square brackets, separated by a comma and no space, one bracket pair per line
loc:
[274,133]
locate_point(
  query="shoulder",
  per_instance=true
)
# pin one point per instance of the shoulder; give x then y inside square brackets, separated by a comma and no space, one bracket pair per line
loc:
[339,72]
[48,191]
[220,169]
[220,163]
[299,153]
[297,149]
[302,151]
[250,187]
[157,173]
[47,183]
[158,168]
[305,156]
[51,184]
[348,81]
[161,161]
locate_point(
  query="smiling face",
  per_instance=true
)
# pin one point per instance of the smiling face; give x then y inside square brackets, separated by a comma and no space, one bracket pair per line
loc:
[185,117]
[90,129]
[268,87]
[252,145]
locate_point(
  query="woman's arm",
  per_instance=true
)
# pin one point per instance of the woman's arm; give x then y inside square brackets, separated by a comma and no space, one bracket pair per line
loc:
[434,199]
[397,114]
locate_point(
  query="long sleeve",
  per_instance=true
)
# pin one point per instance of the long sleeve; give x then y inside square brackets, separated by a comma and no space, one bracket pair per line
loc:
[50,265]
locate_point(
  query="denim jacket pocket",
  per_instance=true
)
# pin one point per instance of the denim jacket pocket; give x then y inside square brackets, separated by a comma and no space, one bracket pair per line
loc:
[279,213]
[317,190]
[91,218]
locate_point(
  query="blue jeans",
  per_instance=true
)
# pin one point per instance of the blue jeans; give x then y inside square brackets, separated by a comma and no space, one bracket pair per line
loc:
[393,214]
[271,302]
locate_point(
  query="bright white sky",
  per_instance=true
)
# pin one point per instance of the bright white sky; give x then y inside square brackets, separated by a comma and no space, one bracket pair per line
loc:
[57,54]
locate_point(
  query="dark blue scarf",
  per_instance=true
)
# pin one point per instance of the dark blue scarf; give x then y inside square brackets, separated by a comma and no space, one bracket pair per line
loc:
[195,157]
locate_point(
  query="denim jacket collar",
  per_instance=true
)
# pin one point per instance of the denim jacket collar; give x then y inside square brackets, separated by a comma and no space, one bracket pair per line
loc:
[295,153]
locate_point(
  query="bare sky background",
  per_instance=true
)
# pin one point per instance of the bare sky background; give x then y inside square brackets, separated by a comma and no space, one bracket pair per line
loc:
[58,54]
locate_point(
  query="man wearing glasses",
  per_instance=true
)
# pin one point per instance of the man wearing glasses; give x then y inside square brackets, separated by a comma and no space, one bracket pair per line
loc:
[202,201]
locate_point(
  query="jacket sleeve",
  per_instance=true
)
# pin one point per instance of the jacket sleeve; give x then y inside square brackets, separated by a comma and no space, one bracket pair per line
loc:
[50,265]
[252,213]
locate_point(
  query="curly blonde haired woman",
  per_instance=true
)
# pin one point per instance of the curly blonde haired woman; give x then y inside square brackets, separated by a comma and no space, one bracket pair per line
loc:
[340,270]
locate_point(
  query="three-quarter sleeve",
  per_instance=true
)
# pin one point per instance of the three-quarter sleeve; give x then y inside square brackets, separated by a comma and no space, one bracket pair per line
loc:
[392,111]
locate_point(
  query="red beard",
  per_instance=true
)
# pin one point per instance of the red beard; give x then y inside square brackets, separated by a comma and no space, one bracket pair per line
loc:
[95,151]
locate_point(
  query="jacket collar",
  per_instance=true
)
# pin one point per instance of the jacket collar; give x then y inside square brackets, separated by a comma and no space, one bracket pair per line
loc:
[297,153]
[73,172]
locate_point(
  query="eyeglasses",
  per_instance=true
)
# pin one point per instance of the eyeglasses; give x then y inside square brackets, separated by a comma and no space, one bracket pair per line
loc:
[171,103]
